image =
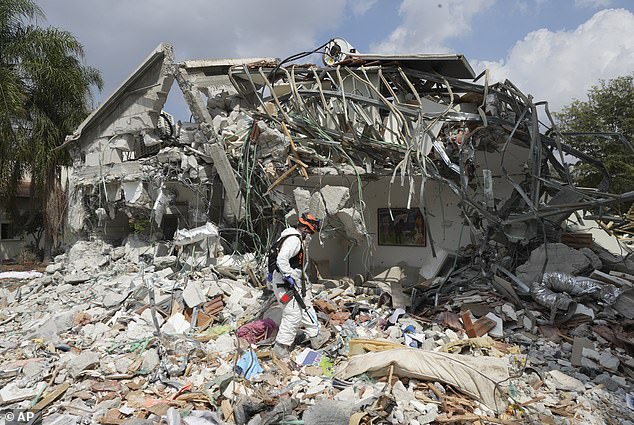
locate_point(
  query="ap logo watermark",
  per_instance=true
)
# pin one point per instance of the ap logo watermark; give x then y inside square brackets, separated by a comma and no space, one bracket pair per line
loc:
[19,417]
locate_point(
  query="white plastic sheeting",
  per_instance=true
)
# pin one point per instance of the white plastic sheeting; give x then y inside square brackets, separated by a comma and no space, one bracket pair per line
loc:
[20,275]
[189,236]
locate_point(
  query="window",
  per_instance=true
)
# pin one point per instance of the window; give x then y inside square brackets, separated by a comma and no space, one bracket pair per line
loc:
[6,231]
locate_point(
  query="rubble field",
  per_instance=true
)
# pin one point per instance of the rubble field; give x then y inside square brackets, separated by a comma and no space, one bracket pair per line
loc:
[116,335]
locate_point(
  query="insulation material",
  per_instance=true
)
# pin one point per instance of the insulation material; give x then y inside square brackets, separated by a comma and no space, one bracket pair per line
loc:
[557,289]
[479,377]
[133,191]
[190,236]
[163,200]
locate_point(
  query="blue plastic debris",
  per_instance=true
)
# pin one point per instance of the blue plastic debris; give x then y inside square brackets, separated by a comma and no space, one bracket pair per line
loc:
[248,365]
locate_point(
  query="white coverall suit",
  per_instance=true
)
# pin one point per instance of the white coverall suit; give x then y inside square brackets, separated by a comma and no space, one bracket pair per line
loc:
[293,316]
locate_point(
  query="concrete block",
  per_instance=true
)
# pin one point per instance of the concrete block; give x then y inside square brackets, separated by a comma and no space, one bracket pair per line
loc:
[302,198]
[316,206]
[609,361]
[76,278]
[509,312]
[578,345]
[169,154]
[151,360]
[164,262]
[271,142]
[498,330]
[55,267]
[150,140]
[85,361]
[147,317]
[561,381]
[353,224]
[112,299]
[335,197]
[193,294]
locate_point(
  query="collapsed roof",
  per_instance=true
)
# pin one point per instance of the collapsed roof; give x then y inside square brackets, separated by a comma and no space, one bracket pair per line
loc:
[260,123]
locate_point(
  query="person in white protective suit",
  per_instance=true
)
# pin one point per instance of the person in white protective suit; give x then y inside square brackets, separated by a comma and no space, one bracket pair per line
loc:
[291,287]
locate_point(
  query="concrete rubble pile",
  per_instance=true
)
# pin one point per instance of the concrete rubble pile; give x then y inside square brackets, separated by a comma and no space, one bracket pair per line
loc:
[458,267]
[112,335]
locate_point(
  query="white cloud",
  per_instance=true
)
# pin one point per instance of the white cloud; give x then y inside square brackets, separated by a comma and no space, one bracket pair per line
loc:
[360,7]
[563,65]
[427,25]
[595,4]
[118,35]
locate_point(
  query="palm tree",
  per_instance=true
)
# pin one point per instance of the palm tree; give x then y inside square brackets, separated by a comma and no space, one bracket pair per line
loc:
[45,93]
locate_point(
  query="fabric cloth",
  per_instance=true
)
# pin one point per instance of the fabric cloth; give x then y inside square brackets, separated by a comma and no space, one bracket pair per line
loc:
[293,316]
[483,378]
[257,330]
[248,365]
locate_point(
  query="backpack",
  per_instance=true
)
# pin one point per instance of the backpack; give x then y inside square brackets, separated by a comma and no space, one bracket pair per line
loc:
[275,250]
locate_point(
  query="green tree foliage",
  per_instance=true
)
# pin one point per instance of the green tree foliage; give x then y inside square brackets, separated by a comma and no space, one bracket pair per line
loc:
[609,109]
[45,92]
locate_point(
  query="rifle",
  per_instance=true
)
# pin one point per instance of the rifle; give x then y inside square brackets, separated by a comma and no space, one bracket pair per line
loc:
[292,293]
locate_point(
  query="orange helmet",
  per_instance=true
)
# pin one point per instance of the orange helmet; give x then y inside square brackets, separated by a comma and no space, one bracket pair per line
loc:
[311,222]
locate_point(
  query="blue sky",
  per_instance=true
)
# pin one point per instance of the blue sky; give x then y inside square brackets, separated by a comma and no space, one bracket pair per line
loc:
[553,49]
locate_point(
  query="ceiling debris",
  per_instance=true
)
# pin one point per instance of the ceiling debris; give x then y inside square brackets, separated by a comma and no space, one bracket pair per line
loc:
[465,278]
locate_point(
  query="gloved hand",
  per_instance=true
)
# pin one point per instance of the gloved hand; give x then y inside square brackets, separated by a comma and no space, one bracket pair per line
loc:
[290,281]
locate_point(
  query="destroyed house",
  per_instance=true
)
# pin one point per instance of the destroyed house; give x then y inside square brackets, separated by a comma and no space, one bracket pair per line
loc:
[449,283]
[408,159]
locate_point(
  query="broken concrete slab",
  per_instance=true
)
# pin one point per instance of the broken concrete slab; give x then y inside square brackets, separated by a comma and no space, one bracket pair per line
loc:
[353,224]
[85,361]
[595,261]
[335,198]
[112,299]
[13,393]
[55,267]
[151,360]
[316,205]
[559,257]
[609,361]
[164,262]
[625,304]
[76,278]
[194,294]
[147,317]
[565,382]
[498,330]
[578,346]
